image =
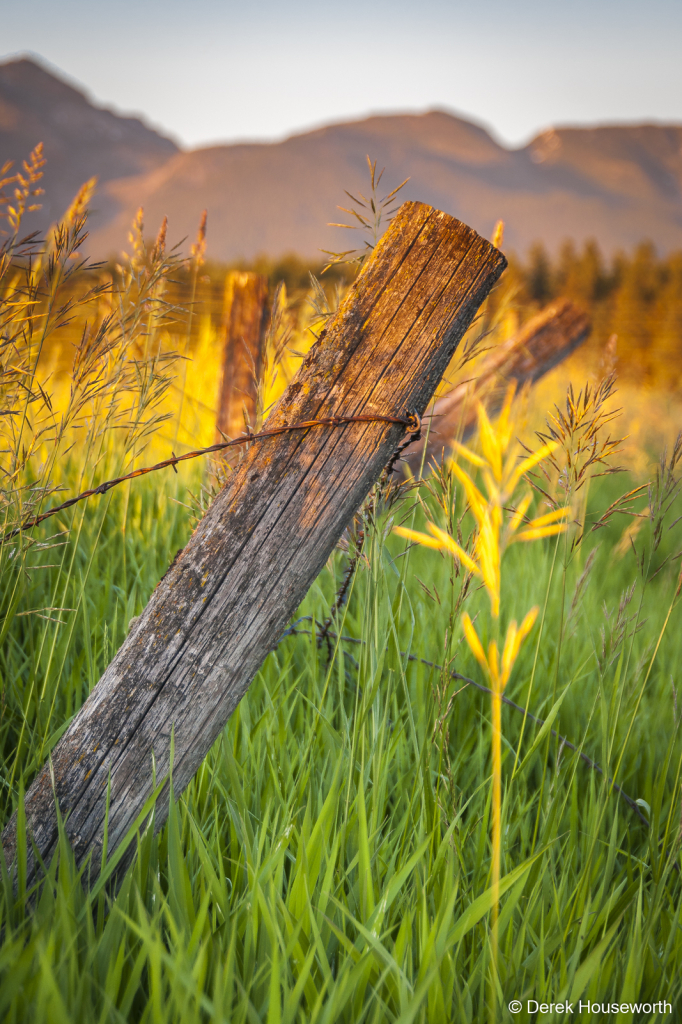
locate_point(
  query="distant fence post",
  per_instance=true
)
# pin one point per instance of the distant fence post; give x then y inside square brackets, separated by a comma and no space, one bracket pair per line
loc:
[541,344]
[224,602]
[245,319]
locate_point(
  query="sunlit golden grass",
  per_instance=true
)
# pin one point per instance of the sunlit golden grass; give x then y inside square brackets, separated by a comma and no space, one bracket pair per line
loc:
[650,415]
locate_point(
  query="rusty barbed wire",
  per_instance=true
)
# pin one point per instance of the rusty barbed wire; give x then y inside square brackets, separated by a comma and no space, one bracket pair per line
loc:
[412,421]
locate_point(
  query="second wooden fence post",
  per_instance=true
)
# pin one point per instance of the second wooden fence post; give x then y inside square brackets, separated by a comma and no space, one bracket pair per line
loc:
[245,320]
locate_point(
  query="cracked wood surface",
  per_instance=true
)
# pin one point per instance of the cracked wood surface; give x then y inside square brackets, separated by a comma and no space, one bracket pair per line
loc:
[220,608]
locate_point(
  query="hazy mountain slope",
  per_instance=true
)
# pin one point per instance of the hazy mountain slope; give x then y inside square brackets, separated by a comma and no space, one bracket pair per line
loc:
[81,140]
[637,162]
[619,184]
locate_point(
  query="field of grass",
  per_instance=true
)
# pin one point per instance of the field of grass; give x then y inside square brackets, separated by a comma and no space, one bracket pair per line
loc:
[332,859]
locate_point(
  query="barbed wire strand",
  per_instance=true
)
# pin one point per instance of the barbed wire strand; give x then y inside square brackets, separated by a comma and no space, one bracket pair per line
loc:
[412,421]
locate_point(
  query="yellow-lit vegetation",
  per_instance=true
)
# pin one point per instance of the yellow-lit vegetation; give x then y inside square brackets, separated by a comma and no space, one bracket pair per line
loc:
[502,474]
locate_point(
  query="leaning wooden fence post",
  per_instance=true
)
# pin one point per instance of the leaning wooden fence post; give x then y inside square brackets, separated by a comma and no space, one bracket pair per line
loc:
[220,608]
[245,318]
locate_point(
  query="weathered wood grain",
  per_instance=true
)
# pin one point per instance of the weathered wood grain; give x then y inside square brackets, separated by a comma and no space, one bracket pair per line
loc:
[245,318]
[218,611]
[545,341]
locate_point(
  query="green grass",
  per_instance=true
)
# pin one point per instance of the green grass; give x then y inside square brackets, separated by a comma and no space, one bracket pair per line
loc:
[331,860]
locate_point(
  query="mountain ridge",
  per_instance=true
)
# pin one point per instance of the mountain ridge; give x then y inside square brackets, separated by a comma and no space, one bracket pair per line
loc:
[81,140]
[278,197]
[619,184]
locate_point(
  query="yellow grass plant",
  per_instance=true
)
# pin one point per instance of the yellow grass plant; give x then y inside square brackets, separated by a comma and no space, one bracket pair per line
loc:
[500,511]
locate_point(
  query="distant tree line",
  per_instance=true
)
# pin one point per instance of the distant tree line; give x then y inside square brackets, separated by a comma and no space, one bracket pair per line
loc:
[636,296]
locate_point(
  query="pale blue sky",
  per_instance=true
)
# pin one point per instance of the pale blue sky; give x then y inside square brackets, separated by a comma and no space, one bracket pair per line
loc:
[209,70]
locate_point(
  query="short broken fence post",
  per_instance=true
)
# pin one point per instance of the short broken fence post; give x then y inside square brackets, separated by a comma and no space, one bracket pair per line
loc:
[214,616]
[245,320]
